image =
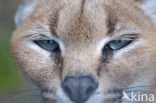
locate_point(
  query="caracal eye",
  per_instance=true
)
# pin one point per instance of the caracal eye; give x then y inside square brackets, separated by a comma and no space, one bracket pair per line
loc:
[49,45]
[113,46]
[118,44]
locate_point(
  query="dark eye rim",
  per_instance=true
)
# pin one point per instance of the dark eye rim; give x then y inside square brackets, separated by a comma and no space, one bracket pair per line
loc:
[130,38]
[107,52]
[128,42]
[55,50]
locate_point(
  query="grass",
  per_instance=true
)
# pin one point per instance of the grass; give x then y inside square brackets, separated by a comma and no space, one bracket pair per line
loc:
[9,78]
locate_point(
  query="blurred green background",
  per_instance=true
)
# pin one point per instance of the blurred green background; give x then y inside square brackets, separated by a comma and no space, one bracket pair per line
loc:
[12,87]
[9,77]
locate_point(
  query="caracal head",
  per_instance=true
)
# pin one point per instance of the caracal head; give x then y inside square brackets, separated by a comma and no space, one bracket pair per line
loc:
[85,51]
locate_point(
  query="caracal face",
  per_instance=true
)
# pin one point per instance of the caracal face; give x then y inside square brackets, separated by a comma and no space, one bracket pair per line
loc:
[86,51]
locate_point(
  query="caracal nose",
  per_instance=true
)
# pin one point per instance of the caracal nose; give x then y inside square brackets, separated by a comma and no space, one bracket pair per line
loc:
[79,89]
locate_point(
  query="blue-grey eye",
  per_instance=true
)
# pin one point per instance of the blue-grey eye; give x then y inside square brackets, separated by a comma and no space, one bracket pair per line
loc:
[118,44]
[49,45]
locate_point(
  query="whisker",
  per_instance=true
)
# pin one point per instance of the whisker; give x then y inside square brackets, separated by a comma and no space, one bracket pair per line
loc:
[141,91]
[21,95]
[143,86]
[24,97]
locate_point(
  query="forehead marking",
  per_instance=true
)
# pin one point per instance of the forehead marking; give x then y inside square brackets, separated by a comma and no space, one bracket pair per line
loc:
[54,22]
[111,24]
[82,5]
[82,25]
[54,19]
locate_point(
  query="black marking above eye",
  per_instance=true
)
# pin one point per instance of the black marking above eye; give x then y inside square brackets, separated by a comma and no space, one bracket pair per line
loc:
[49,45]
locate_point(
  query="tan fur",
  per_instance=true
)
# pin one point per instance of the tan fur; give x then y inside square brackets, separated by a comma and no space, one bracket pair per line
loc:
[81,27]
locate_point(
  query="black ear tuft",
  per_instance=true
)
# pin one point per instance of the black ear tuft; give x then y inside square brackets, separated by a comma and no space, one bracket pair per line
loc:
[24,11]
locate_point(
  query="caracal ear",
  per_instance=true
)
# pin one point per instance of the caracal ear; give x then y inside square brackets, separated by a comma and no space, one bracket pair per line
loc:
[24,11]
[149,7]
